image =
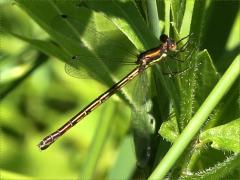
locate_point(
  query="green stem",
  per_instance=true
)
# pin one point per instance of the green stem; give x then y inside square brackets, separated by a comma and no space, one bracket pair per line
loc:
[153,17]
[198,120]
[185,27]
[167,17]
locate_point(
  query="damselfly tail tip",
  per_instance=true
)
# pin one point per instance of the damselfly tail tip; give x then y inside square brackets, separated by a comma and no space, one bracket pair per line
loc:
[47,141]
[42,145]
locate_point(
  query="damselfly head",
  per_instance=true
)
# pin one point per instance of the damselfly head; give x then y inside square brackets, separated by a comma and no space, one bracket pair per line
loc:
[169,44]
[163,38]
[172,46]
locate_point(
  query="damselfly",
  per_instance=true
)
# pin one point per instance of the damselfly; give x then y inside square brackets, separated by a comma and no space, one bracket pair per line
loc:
[144,60]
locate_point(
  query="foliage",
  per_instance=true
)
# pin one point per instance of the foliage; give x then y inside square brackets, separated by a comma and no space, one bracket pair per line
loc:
[38,96]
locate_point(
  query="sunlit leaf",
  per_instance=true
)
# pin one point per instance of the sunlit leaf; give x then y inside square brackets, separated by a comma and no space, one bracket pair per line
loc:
[225,137]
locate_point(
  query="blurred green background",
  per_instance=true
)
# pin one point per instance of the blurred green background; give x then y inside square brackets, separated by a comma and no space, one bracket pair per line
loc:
[42,102]
[39,96]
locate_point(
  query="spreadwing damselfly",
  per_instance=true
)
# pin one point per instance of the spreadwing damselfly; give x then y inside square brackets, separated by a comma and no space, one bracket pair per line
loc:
[143,61]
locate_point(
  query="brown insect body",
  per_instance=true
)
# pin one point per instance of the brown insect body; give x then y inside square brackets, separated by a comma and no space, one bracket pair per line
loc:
[144,60]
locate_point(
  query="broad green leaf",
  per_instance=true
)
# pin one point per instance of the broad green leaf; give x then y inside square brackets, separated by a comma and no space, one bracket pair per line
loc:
[225,137]
[66,34]
[228,169]
[169,129]
[125,15]
[73,40]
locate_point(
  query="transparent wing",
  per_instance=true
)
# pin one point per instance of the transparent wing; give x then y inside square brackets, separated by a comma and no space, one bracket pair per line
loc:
[75,66]
[92,31]
[143,123]
[78,72]
[96,44]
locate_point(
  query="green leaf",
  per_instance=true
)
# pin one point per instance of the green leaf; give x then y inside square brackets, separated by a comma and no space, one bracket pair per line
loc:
[169,129]
[225,137]
[66,34]
[197,120]
[90,30]
[228,169]
[201,77]
[90,45]
[125,15]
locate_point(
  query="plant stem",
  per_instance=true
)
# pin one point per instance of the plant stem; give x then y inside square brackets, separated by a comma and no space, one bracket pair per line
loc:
[167,17]
[187,18]
[198,119]
[153,17]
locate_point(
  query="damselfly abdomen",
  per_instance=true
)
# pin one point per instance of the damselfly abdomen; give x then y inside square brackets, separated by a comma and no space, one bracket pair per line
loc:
[144,60]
